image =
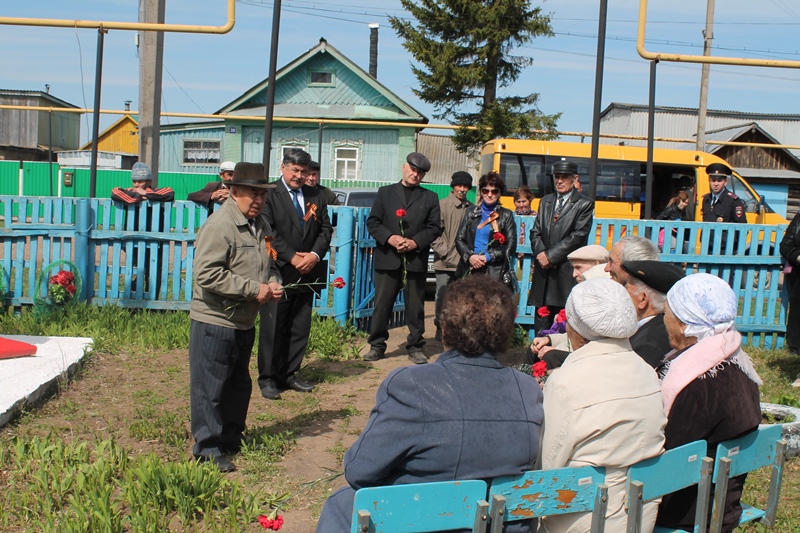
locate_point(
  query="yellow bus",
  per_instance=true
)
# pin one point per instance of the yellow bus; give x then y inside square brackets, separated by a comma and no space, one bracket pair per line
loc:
[621,175]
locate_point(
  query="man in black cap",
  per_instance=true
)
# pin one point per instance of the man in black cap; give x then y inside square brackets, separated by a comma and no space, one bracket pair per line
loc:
[404,221]
[446,258]
[563,224]
[648,284]
[721,205]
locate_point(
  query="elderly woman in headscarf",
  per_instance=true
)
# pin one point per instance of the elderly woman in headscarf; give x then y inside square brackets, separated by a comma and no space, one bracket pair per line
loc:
[603,406]
[709,385]
[467,416]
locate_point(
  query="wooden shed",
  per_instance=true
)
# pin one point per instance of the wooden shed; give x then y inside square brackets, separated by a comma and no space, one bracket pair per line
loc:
[29,135]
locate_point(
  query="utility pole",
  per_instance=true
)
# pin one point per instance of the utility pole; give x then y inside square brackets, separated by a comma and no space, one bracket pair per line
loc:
[706,68]
[151,56]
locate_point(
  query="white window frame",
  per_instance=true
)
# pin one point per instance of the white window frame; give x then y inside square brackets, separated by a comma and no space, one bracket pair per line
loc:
[289,144]
[203,149]
[355,163]
[330,71]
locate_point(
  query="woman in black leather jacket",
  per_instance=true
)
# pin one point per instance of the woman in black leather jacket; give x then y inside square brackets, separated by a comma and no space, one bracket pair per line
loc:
[487,236]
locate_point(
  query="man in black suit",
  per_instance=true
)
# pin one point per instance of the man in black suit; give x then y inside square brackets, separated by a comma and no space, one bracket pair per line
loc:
[299,217]
[404,221]
[562,226]
[648,284]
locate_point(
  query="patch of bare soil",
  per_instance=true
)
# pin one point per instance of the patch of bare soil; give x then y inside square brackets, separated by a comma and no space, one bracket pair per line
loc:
[142,401]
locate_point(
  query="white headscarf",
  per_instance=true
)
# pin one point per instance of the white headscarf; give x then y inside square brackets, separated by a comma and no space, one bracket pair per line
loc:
[705,303]
[601,309]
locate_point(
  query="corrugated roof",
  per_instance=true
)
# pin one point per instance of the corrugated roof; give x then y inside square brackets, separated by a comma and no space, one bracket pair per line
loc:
[41,94]
[693,110]
[768,173]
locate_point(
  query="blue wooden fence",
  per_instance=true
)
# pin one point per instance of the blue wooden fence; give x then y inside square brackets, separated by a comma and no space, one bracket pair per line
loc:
[141,257]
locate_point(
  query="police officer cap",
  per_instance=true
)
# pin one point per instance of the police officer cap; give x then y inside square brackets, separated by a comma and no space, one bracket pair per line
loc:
[418,161]
[718,170]
[655,274]
[565,167]
[461,178]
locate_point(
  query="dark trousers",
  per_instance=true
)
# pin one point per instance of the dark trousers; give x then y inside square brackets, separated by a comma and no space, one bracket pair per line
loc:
[283,337]
[219,385]
[388,284]
[443,279]
[793,318]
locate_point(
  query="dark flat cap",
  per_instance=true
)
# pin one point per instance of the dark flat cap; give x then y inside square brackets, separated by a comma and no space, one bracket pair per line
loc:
[417,160]
[461,178]
[565,167]
[718,170]
[250,175]
[655,274]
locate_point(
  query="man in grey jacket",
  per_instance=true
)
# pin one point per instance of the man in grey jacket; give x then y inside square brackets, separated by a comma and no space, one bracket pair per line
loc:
[446,258]
[235,273]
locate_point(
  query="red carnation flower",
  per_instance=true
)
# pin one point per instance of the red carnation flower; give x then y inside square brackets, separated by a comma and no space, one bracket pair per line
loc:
[543,311]
[270,523]
[499,237]
[561,316]
[540,369]
[400,213]
[338,283]
[71,288]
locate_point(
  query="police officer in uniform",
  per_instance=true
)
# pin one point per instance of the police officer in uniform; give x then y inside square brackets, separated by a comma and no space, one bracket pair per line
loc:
[721,205]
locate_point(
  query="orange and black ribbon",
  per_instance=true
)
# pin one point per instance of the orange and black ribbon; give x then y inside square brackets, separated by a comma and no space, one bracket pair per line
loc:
[311,211]
[494,215]
[273,253]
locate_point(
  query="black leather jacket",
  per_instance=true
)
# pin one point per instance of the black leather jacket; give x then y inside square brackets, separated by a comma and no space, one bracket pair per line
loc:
[498,253]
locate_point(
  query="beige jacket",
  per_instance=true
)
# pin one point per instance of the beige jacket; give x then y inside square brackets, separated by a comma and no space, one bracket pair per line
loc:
[451,211]
[230,264]
[603,407]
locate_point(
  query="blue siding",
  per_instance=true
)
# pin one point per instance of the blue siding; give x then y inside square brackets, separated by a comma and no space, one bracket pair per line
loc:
[775,194]
[171,151]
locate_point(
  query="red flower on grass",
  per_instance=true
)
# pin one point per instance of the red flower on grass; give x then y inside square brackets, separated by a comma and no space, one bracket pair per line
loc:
[543,311]
[271,523]
[499,237]
[539,369]
[338,283]
[400,213]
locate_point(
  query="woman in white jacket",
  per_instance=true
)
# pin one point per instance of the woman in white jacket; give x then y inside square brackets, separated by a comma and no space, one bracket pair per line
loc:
[603,407]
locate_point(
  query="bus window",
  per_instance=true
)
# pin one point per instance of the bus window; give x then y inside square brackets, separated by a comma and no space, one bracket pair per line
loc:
[617,181]
[518,169]
[739,189]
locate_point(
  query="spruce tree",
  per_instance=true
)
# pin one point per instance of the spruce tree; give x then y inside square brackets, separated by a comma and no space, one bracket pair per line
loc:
[465,51]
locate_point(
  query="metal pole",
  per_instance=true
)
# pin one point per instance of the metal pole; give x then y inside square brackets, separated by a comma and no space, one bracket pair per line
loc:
[273,66]
[319,152]
[651,127]
[50,148]
[598,95]
[701,111]
[98,76]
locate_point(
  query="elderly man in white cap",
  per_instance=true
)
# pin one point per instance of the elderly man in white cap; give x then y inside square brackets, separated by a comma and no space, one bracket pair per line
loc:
[215,192]
[709,385]
[589,262]
[603,407]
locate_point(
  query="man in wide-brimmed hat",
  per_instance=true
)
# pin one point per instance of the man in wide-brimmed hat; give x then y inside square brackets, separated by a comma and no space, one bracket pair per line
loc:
[234,273]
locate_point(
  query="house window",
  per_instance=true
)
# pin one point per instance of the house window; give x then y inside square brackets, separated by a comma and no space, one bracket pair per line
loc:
[293,144]
[346,158]
[196,152]
[321,78]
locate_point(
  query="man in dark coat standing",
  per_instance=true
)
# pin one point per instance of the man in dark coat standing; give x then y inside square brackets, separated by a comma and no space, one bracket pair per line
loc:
[562,226]
[404,221]
[648,284]
[299,216]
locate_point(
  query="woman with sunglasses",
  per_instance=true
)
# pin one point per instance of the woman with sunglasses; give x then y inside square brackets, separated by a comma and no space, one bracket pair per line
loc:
[487,236]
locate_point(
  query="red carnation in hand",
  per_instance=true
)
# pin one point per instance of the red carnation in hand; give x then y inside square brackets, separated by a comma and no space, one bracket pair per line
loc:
[561,316]
[499,237]
[338,283]
[539,369]
[400,213]
[543,311]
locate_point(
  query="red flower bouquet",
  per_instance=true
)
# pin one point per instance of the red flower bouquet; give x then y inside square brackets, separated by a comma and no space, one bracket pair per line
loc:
[61,287]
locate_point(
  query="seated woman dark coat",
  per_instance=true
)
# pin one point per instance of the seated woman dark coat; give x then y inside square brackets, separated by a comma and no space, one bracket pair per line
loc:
[464,417]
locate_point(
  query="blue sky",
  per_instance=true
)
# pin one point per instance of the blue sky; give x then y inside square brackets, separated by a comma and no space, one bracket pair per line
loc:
[205,72]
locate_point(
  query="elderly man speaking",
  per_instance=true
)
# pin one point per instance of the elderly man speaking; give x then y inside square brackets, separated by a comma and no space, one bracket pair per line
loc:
[235,273]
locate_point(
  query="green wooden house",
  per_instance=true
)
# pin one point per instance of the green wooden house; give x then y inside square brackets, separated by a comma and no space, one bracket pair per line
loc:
[317,96]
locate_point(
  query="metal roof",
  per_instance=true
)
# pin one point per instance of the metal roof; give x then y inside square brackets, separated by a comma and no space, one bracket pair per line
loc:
[38,94]
[768,173]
